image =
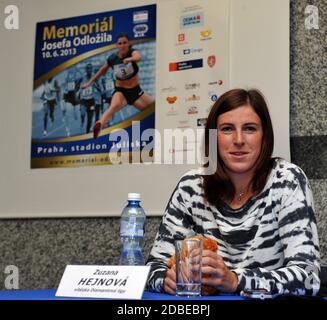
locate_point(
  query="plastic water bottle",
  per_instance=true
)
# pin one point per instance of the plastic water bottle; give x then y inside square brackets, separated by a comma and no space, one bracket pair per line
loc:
[132,223]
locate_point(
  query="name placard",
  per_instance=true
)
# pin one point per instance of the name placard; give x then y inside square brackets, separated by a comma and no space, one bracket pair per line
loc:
[115,282]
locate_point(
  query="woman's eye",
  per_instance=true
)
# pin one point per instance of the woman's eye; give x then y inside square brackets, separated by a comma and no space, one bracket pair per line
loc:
[226,129]
[250,129]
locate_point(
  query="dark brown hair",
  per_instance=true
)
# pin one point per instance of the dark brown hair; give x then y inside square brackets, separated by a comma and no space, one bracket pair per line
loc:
[218,186]
[122,35]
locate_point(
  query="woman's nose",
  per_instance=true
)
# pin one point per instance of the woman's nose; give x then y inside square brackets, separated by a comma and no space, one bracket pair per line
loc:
[238,137]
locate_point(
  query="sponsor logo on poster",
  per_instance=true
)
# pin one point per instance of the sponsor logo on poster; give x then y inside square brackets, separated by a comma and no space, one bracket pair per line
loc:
[192,110]
[185,65]
[183,124]
[174,150]
[171,100]
[140,16]
[172,110]
[187,145]
[191,20]
[215,83]
[213,96]
[192,8]
[193,97]
[169,89]
[192,86]
[201,122]
[211,61]
[192,50]
[181,39]
[140,30]
[206,34]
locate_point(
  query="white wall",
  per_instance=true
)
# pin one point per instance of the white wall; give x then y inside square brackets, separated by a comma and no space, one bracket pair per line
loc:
[259,58]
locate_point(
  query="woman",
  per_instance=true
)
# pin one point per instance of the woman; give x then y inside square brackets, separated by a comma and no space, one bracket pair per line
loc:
[127,87]
[259,210]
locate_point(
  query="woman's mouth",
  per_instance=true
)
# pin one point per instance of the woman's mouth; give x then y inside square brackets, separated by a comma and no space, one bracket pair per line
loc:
[238,153]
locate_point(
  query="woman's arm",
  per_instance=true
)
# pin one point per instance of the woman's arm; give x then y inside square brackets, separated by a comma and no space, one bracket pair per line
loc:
[297,230]
[177,223]
[100,72]
[136,57]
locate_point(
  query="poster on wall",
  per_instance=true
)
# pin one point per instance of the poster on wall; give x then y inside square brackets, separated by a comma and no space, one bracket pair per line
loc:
[94,88]
[194,66]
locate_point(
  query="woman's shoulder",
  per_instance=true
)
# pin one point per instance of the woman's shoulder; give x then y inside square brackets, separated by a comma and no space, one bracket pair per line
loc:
[190,179]
[190,184]
[113,57]
[193,174]
[287,168]
[287,173]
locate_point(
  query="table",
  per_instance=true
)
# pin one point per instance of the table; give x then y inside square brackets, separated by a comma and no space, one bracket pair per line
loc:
[152,306]
[50,294]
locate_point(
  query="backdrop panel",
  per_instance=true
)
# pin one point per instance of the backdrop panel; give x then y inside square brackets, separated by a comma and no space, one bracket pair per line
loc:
[257,55]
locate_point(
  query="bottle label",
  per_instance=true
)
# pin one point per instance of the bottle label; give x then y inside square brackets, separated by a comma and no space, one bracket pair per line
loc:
[131,229]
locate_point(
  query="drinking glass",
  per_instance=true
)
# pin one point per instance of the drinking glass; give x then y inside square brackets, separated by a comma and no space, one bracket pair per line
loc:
[188,267]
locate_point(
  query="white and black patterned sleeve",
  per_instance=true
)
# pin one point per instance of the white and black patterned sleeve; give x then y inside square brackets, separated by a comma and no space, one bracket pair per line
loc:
[177,223]
[299,274]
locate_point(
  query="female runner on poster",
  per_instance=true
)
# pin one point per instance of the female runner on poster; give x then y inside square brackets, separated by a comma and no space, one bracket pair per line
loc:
[127,87]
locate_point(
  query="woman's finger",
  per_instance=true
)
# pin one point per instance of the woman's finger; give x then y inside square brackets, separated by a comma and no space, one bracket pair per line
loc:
[216,272]
[212,254]
[170,281]
[169,290]
[215,282]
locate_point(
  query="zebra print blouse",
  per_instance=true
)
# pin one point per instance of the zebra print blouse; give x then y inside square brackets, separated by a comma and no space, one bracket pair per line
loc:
[270,243]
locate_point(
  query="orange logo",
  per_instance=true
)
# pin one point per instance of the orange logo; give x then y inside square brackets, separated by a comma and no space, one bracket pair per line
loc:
[171,100]
[181,37]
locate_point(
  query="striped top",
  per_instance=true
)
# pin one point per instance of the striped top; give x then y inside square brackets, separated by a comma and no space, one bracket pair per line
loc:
[270,243]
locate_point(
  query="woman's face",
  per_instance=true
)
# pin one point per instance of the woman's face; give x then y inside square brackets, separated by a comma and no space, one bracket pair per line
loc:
[122,45]
[239,139]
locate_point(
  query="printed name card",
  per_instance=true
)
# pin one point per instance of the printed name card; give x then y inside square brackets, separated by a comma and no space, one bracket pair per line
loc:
[114,282]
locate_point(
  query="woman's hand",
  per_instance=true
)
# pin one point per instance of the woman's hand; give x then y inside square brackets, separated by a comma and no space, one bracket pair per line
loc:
[170,281]
[136,57]
[217,273]
[127,60]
